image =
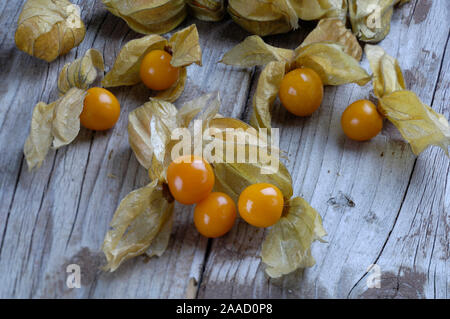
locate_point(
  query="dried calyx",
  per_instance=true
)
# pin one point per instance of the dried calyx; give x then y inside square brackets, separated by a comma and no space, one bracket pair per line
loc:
[142,223]
[330,50]
[184,46]
[47,29]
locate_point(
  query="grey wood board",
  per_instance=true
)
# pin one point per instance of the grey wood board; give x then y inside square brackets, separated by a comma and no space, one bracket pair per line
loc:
[379,202]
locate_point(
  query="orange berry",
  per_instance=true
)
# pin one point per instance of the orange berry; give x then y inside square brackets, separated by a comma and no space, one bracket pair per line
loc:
[261,205]
[190,179]
[101,109]
[361,121]
[301,91]
[156,71]
[215,215]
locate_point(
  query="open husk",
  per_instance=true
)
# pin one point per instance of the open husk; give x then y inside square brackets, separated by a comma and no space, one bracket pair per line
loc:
[371,19]
[287,246]
[418,123]
[207,10]
[57,123]
[47,29]
[264,17]
[142,222]
[320,9]
[82,72]
[184,46]
[334,56]
[149,16]
[334,30]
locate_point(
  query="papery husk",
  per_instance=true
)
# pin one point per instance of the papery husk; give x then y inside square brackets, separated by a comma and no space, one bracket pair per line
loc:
[137,223]
[125,70]
[57,123]
[320,9]
[287,246]
[331,63]
[149,16]
[149,130]
[263,17]
[66,117]
[184,46]
[418,123]
[161,241]
[334,30]
[173,93]
[266,92]
[40,138]
[300,219]
[253,51]
[47,29]
[82,72]
[207,10]
[371,19]
[387,75]
[233,178]
[329,59]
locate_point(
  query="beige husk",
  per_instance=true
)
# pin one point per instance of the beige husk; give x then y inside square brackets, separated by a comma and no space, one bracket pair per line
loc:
[142,225]
[418,123]
[330,49]
[371,19]
[334,30]
[185,49]
[320,9]
[207,10]
[47,29]
[82,72]
[264,17]
[57,123]
[149,16]
[287,246]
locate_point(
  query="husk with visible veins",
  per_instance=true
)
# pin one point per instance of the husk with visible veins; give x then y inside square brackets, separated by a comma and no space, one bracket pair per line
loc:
[329,59]
[254,51]
[149,130]
[143,218]
[266,92]
[319,9]
[57,123]
[125,70]
[82,72]
[287,246]
[185,48]
[302,222]
[387,75]
[331,63]
[207,10]
[334,30]
[47,29]
[40,138]
[66,117]
[263,17]
[418,123]
[371,19]
[149,16]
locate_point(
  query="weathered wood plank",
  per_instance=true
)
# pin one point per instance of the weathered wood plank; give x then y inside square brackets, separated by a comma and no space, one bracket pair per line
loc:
[361,189]
[59,214]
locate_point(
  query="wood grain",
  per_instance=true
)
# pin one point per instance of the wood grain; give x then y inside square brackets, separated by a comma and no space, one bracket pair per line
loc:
[380,204]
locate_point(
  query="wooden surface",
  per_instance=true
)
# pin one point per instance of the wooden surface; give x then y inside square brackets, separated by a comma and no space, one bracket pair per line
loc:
[380,204]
